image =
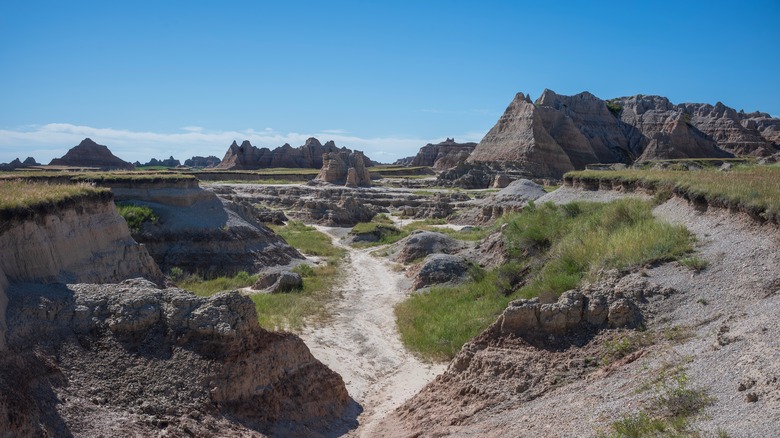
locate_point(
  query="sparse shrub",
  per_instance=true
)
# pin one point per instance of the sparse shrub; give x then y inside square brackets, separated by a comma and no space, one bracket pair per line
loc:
[176,274]
[694,263]
[136,215]
[304,270]
[677,399]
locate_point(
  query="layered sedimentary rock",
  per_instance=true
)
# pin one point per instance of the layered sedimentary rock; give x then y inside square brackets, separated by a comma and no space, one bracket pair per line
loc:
[444,155]
[90,154]
[86,240]
[168,162]
[82,240]
[91,360]
[248,157]
[520,137]
[560,133]
[200,233]
[344,168]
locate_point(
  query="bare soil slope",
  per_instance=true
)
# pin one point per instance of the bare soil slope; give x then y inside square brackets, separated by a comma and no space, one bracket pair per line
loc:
[718,327]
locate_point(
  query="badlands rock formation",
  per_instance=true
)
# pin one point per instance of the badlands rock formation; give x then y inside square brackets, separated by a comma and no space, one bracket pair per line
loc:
[200,233]
[83,239]
[248,157]
[90,154]
[96,359]
[344,168]
[17,164]
[560,133]
[198,161]
[444,155]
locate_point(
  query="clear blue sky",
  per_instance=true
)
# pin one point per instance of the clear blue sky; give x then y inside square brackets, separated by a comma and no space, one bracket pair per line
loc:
[155,78]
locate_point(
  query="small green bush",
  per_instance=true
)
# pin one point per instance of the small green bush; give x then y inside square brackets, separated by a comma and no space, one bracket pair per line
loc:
[136,215]
[694,263]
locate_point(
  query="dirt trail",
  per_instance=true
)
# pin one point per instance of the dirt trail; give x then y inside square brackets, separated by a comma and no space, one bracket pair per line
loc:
[362,342]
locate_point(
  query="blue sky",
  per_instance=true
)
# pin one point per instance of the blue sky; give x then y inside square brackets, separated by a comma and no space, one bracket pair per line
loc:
[159,78]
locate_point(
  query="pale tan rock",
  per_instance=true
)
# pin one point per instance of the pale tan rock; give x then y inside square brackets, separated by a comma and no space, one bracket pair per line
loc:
[344,168]
[86,242]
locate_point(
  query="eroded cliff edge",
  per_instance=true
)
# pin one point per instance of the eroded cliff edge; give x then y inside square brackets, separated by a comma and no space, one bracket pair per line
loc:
[93,359]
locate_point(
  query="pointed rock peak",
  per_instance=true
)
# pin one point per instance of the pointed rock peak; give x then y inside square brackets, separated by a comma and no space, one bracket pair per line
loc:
[587,95]
[87,142]
[246,144]
[330,144]
[30,161]
[547,98]
[519,97]
[234,144]
[311,141]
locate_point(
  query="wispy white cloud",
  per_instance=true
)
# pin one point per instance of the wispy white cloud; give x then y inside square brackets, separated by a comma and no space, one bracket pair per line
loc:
[45,142]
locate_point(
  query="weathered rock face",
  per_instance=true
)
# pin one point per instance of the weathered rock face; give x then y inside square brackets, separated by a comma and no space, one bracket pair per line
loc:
[90,154]
[526,353]
[198,161]
[424,243]
[90,360]
[200,233]
[344,168]
[340,206]
[87,241]
[560,133]
[667,131]
[248,157]
[441,269]
[444,155]
[520,137]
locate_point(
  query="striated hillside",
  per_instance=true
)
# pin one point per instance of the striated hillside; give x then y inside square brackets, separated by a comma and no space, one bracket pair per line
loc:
[559,133]
[442,156]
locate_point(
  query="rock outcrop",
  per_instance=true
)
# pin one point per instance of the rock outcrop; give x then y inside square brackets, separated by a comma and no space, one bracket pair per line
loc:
[520,137]
[200,233]
[84,240]
[441,269]
[560,133]
[201,162]
[248,157]
[17,164]
[524,355]
[344,168]
[421,244]
[90,154]
[91,360]
[444,155]
[168,162]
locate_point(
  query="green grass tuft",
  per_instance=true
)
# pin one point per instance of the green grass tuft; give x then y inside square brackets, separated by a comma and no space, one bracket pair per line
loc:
[136,215]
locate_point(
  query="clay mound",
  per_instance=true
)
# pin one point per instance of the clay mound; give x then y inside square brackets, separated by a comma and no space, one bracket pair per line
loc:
[424,243]
[90,360]
[517,193]
[90,154]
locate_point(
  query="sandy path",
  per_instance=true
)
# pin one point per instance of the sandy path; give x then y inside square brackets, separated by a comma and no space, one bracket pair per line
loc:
[362,343]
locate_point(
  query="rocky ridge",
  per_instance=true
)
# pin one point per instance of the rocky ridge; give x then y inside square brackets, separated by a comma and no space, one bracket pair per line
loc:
[17,164]
[248,157]
[444,155]
[559,133]
[90,154]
